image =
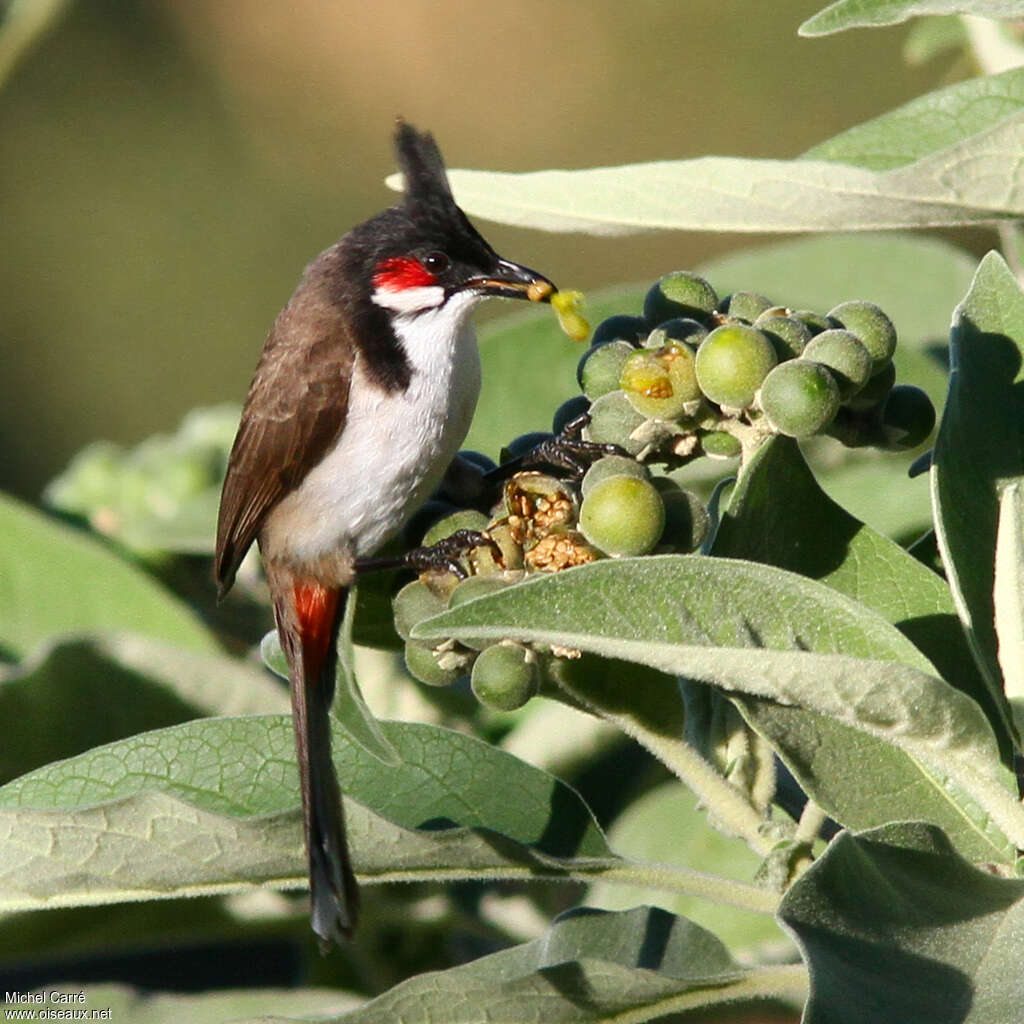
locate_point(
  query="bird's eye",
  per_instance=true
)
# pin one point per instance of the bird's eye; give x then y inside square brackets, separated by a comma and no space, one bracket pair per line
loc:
[436,262]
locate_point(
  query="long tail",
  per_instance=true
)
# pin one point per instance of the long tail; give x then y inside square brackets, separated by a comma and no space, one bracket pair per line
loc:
[308,617]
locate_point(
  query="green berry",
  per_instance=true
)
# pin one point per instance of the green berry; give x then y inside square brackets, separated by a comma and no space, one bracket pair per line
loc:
[732,363]
[800,397]
[845,355]
[908,417]
[505,676]
[679,294]
[632,329]
[719,444]
[612,421]
[434,670]
[686,519]
[600,367]
[660,384]
[568,411]
[745,305]
[412,604]
[612,465]
[622,515]
[815,322]
[786,333]
[680,328]
[464,519]
[871,325]
[875,391]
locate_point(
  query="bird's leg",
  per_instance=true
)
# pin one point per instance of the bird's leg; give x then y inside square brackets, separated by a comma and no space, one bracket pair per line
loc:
[442,556]
[566,450]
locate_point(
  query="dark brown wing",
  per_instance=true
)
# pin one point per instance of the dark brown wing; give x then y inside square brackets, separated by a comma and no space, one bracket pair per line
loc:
[294,412]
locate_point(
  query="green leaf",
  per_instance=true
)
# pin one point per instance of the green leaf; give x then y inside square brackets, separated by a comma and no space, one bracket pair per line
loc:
[976,180]
[979,446]
[666,826]
[778,515]
[825,664]
[589,966]
[1009,589]
[138,682]
[211,806]
[928,123]
[896,926]
[56,580]
[846,14]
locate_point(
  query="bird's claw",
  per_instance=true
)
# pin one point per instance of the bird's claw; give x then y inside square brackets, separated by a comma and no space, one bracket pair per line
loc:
[445,554]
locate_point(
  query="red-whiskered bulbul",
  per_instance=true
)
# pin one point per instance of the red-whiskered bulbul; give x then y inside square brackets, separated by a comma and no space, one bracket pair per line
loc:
[361,398]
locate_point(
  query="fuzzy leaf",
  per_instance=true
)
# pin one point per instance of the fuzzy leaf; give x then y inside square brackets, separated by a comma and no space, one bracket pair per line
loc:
[845,14]
[896,926]
[980,447]
[828,663]
[979,179]
[589,966]
[826,543]
[56,580]
[211,806]
[928,123]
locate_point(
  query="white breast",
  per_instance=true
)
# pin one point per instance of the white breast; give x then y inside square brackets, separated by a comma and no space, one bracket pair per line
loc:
[394,448]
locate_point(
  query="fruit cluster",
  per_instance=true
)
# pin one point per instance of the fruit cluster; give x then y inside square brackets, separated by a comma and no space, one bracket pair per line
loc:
[693,376]
[697,375]
[540,524]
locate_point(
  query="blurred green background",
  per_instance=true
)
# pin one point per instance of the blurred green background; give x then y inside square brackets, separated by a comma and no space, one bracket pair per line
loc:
[168,168]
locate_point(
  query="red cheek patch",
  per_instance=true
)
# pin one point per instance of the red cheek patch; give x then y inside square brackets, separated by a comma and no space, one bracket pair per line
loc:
[401,272]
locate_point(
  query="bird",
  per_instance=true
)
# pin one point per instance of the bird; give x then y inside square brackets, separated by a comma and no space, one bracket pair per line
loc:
[360,400]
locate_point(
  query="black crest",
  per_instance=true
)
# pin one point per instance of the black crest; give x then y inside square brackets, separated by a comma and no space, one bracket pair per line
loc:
[422,167]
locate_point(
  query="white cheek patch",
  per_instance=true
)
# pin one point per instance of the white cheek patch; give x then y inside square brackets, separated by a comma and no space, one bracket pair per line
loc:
[409,300]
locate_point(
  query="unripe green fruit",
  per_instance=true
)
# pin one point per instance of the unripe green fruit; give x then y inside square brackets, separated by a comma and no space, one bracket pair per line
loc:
[612,421]
[732,364]
[745,305]
[568,411]
[612,465]
[464,519]
[908,417]
[686,519]
[632,329]
[660,384]
[622,515]
[523,445]
[412,604]
[845,355]
[814,321]
[871,325]
[679,294]
[505,676]
[423,665]
[875,391]
[680,328]
[600,367]
[786,333]
[719,444]
[799,397]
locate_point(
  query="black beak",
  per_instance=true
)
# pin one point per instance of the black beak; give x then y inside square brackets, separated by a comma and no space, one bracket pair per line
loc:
[512,281]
